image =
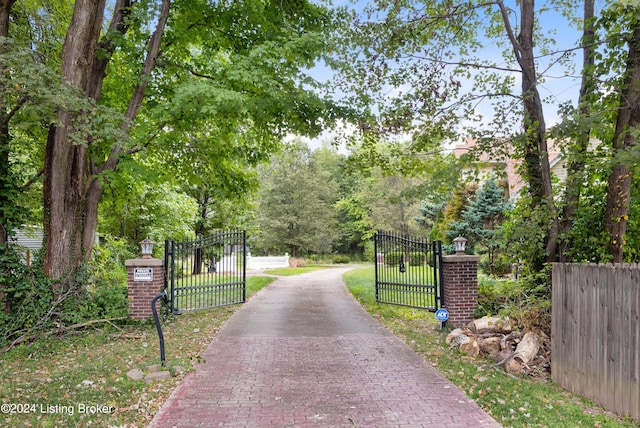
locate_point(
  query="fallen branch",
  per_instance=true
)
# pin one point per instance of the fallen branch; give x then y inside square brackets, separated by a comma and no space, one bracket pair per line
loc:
[62,329]
[508,337]
[132,336]
[503,361]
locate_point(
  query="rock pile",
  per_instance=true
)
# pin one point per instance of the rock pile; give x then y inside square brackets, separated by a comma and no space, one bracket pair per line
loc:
[518,352]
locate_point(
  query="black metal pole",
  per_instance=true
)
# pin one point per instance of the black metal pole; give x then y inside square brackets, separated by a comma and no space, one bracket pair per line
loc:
[162,295]
[375,260]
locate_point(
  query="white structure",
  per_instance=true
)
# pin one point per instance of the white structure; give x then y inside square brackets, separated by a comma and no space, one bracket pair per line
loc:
[269,262]
[29,239]
[228,264]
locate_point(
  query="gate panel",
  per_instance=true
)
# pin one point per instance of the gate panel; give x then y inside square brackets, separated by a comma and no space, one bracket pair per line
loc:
[408,271]
[206,273]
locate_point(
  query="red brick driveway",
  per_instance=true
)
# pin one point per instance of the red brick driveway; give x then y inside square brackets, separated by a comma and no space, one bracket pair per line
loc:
[303,353]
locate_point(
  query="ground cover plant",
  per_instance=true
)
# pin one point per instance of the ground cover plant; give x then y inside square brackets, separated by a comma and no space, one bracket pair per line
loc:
[512,401]
[81,380]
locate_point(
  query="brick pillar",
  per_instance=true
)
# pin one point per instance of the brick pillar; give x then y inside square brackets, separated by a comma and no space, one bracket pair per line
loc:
[145,281]
[460,287]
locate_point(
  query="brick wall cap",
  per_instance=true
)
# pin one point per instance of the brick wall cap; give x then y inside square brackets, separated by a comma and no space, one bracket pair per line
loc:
[457,259]
[143,262]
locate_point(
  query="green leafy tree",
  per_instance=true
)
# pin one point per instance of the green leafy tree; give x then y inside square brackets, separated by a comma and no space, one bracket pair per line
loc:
[157,211]
[139,71]
[623,25]
[429,214]
[295,208]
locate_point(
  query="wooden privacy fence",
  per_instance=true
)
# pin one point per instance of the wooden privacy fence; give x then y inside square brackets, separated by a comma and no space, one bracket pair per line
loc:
[595,333]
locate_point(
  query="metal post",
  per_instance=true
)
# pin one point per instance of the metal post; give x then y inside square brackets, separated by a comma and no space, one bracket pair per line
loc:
[162,295]
[375,260]
[244,266]
[437,264]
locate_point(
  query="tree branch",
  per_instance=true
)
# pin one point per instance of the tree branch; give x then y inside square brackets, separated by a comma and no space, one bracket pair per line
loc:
[143,81]
[33,179]
[146,144]
[21,101]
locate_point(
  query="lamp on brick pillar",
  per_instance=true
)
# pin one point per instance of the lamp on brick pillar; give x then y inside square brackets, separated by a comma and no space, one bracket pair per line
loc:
[460,243]
[145,280]
[146,248]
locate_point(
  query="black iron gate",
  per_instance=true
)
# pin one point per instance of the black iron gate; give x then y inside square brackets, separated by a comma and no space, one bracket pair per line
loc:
[408,271]
[206,273]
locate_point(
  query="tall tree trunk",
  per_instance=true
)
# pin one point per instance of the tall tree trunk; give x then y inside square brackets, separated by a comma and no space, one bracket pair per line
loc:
[65,166]
[203,203]
[72,187]
[575,174]
[624,137]
[536,156]
[6,180]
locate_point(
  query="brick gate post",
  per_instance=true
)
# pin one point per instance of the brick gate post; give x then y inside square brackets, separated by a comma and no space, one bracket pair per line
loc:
[145,277]
[460,287]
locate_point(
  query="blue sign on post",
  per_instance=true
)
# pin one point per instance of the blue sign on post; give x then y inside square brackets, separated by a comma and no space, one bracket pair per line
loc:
[442,315]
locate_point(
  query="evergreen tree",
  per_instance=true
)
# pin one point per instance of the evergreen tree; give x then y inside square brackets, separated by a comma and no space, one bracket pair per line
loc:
[482,220]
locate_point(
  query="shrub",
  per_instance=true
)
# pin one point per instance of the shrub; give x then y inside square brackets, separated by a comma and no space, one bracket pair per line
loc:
[107,290]
[26,294]
[528,307]
[295,262]
[392,258]
[417,258]
[501,265]
[492,296]
[27,305]
[368,250]
[341,259]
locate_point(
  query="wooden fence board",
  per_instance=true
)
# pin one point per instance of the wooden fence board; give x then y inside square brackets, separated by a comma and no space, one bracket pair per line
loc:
[634,340]
[596,333]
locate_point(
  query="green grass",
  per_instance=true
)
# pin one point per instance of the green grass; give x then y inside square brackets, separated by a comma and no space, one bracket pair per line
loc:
[46,379]
[512,401]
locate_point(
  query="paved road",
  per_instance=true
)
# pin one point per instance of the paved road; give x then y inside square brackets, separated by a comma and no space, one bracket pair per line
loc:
[303,353]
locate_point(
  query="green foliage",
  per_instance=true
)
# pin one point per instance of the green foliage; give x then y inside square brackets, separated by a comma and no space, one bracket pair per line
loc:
[107,288]
[341,259]
[501,264]
[295,211]
[99,291]
[136,210]
[369,248]
[429,214]
[494,296]
[525,231]
[417,258]
[393,258]
[25,294]
[587,234]
[482,220]
[107,264]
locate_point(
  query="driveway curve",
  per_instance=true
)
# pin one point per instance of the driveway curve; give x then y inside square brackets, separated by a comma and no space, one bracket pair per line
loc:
[303,353]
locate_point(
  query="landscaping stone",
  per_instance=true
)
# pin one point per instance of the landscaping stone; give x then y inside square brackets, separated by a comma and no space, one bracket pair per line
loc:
[154,368]
[135,374]
[151,377]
